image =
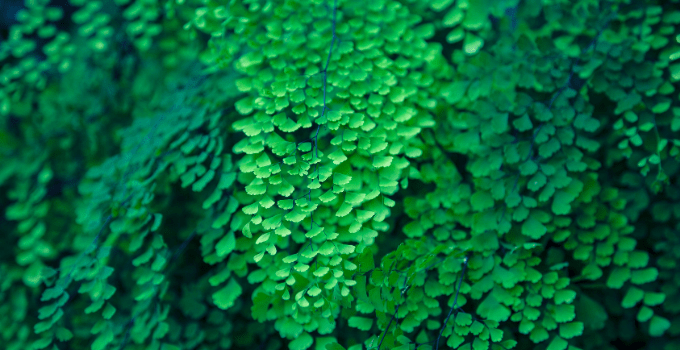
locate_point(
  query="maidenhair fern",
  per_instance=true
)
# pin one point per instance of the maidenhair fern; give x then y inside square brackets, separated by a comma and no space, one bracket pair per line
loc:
[314,174]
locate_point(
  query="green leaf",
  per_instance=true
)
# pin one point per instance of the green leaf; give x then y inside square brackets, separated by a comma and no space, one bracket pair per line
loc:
[290,259]
[336,259]
[295,216]
[463,319]
[156,221]
[314,291]
[632,297]
[263,238]
[571,329]
[456,90]
[523,123]
[345,208]
[355,198]
[382,161]
[638,259]
[564,313]
[533,228]
[528,168]
[285,204]
[243,84]
[536,182]
[337,157]
[413,229]
[303,342]
[278,88]
[591,313]
[481,200]
[251,209]
[63,334]
[618,277]
[327,197]
[199,185]
[48,310]
[345,248]
[644,276]
[628,102]
[558,344]
[513,199]
[42,326]
[108,312]
[658,326]
[496,334]
[645,314]
[562,202]
[314,232]
[321,271]
[42,343]
[226,180]
[592,271]
[246,230]
[225,297]
[361,323]
[341,179]
[300,267]
[661,106]
[334,346]
[472,44]
[531,313]
[103,340]
[479,344]
[538,334]
[282,231]
[226,245]
[476,328]
[256,188]
[327,248]
[51,293]
[653,299]
[493,310]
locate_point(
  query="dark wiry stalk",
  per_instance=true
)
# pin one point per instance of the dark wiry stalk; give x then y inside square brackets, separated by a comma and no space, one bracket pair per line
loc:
[455,302]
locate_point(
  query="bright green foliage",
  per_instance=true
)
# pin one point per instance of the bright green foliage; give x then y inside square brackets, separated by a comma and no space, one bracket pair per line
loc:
[340,174]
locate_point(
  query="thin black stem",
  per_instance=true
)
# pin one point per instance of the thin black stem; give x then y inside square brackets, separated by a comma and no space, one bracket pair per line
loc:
[455,302]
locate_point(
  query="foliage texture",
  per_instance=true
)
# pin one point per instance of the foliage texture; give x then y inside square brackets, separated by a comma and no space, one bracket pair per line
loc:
[340,174]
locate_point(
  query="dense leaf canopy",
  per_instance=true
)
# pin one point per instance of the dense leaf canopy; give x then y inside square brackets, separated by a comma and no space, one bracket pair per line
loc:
[340,174]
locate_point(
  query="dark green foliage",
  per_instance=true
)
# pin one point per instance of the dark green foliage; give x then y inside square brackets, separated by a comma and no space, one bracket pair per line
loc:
[313,174]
